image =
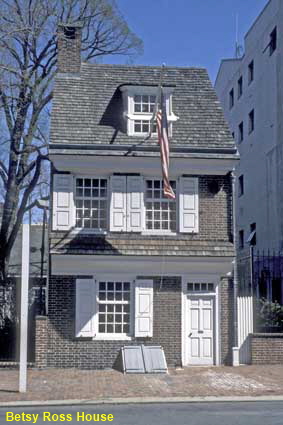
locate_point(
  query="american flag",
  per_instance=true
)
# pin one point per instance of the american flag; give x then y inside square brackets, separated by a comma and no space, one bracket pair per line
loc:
[162,129]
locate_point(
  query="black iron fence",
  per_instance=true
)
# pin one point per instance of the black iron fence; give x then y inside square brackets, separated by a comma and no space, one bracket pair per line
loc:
[260,274]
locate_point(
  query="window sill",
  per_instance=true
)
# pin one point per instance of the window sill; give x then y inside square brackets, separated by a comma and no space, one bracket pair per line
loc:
[158,233]
[89,231]
[111,337]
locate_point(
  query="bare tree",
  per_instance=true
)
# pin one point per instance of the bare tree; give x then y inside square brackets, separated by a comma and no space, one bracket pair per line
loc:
[28,52]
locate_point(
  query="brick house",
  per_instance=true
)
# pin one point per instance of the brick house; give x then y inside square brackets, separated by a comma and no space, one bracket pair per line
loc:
[128,266]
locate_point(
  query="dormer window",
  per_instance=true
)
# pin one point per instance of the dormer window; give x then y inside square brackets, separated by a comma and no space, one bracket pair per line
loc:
[139,104]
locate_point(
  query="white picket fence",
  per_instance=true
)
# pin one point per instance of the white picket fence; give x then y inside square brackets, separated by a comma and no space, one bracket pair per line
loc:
[245,327]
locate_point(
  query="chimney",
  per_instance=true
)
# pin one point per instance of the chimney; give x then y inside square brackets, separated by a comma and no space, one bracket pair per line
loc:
[69,39]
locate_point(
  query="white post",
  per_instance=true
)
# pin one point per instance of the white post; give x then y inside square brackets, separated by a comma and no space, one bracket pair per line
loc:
[24,309]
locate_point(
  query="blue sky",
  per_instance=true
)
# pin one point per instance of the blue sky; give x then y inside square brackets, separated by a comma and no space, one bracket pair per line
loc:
[188,32]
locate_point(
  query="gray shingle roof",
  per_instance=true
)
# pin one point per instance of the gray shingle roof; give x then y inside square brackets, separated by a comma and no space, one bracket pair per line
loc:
[87,109]
[135,244]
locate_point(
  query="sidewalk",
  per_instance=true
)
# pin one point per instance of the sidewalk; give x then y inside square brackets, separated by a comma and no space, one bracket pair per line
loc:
[71,384]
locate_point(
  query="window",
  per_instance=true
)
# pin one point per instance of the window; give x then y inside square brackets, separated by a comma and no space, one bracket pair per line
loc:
[143,104]
[252,238]
[114,307]
[241,132]
[91,203]
[273,41]
[124,203]
[251,121]
[241,185]
[251,72]
[241,239]
[160,211]
[139,103]
[104,307]
[200,287]
[240,87]
[231,98]
[233,134]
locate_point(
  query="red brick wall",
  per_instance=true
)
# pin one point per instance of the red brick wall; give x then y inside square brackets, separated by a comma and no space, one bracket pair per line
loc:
[65,350]
[267,348]
[226,320]
[69,51]
[41,341]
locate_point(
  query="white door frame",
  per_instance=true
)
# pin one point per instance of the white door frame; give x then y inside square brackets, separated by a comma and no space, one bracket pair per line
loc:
[199,279]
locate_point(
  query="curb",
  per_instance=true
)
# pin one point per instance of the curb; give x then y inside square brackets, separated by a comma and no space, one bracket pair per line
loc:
[141,400]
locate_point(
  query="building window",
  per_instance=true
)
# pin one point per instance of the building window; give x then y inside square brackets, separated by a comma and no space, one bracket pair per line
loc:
[144,104]
[139,104]
[273,41]
[114,307]
[241,132]
[252,237]
[251,72]
[251,121]
[160,211]
[91,203]
[200,287]
[241,185]
[231,98]
[241,239]
[142,126]
[233,134]
[240,87]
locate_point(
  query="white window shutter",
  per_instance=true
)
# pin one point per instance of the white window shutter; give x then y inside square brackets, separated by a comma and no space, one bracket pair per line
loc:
[118,203]
[135,210]
[63,202]
[143,308]
[85,307]
[189,220]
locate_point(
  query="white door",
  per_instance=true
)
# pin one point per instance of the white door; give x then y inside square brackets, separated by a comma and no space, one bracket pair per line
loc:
[200,330]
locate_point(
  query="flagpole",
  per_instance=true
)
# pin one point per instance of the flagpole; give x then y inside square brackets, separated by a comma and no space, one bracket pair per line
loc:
[157,102]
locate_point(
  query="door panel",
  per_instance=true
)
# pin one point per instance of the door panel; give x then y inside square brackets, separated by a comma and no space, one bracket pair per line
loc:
[200,326]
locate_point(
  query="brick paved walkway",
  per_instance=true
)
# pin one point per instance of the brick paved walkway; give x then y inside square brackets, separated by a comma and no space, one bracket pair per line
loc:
[59,384]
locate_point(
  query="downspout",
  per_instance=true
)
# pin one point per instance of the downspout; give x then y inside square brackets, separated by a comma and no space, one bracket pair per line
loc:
[235,349]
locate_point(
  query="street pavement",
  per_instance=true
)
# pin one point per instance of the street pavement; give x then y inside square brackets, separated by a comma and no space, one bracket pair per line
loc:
[98,385]
[248,413]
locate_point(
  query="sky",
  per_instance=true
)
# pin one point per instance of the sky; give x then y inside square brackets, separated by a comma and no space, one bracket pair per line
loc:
[189,32]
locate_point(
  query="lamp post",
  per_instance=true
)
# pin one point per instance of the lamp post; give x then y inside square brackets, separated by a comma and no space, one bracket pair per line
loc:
[24,307]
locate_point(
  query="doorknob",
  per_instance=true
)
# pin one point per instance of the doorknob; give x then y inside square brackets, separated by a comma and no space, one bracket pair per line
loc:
[190,334]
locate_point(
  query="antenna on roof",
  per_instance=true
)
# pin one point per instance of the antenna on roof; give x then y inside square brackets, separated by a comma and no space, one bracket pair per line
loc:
[238,47]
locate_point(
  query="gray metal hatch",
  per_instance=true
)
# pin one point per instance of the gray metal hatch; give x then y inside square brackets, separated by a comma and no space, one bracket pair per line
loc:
[143,359]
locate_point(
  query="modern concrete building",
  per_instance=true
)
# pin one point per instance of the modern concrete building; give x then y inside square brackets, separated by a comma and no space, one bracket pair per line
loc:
[250,89]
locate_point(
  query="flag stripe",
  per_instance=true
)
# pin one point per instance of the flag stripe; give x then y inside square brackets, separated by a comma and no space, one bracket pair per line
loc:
[162,129]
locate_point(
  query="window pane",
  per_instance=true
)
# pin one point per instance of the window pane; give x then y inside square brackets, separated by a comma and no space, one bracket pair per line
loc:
[126,286]
[110,286]
[110,328]
[118,328]
[126,329]
[102,328]
[92,208]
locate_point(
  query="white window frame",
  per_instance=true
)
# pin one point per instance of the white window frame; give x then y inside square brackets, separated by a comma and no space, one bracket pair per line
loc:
[161,231]
[129,93]
[115,336]
[144,230]
[91,229]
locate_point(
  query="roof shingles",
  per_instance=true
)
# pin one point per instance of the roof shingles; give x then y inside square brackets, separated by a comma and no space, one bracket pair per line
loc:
[88,109]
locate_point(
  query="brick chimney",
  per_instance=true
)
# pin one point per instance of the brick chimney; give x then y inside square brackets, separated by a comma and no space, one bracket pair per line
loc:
[69,40]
